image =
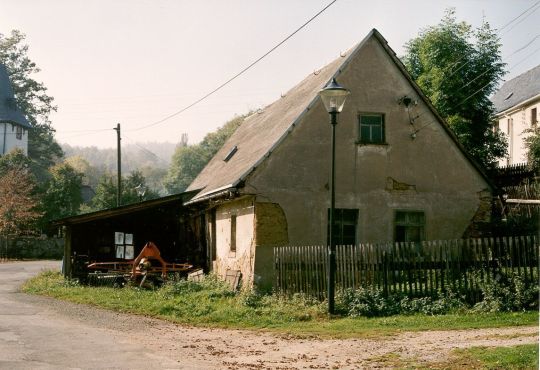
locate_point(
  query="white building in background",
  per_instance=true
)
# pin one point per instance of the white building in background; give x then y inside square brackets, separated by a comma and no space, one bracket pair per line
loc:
[517,104]
[13,124]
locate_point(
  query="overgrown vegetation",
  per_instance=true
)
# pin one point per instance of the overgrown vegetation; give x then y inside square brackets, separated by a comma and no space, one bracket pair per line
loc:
[211,303]
[516,357]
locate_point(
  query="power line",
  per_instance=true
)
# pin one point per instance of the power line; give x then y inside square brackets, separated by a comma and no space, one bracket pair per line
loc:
[481,74]
[236,75]
[511,28]
[476,92]
[145,149]
[497,32]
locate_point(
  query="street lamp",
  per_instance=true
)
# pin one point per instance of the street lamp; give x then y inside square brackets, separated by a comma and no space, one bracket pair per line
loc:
[333,97]
[141,191]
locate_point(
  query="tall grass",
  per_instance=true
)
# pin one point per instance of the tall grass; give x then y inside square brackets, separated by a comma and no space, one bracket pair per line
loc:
[211,303]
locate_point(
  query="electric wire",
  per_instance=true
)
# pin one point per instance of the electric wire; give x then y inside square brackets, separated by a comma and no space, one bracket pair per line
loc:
[476,92]
[236,75]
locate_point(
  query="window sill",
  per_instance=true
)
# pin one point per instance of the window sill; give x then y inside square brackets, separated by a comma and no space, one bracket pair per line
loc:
[367,143]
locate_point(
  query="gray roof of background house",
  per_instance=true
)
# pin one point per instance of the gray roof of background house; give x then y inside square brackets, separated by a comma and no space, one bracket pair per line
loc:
[517,90]
[263,131]
[9,112]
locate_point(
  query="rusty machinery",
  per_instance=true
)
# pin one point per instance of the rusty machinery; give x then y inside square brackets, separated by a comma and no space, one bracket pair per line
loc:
[149,266]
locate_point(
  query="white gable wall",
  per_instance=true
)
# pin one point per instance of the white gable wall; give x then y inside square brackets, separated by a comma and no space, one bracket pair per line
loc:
[9,139]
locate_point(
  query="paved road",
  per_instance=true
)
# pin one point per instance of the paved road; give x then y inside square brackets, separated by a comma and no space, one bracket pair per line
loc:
[35,334]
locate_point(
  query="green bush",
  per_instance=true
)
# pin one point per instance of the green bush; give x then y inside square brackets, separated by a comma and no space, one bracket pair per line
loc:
[210,285]
[371,302]
[507,293]
[368,302]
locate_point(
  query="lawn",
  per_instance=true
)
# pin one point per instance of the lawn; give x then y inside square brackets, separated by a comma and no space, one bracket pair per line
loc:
[212,304]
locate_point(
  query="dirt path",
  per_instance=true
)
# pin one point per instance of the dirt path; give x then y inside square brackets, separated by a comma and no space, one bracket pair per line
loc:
[139,341]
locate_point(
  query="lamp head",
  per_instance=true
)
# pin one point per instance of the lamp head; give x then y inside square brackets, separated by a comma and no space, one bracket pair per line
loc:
[333,96]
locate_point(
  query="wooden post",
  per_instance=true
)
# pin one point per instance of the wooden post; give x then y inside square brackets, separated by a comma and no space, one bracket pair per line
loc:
[66,266]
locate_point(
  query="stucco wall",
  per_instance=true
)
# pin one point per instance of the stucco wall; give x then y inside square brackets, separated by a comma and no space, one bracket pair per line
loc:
[242,258]
[8,135]
[428,173]
[513,123]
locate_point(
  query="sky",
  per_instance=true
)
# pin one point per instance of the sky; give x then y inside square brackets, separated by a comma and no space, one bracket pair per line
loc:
[135,62]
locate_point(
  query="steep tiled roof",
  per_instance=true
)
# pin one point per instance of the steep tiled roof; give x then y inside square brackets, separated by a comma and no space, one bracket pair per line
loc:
[517,90]
[8,108]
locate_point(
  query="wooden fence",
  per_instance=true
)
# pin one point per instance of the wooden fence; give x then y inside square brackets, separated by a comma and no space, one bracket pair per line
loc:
[415,269]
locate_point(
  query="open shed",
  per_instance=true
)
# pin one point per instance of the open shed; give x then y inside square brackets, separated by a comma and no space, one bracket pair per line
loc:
[120,233]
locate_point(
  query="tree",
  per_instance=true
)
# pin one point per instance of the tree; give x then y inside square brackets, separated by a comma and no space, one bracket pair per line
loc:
[189,160]
[33,100]
[458,68]
[62,195]
[532,143]
[106,191]
[18,204]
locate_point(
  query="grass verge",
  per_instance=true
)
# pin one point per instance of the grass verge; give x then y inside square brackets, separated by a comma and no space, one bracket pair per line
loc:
[516,357]
[211,304]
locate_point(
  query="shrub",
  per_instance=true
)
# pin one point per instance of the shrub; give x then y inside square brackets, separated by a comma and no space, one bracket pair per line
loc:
[371,302]
[210,285]
[507,293]
[368,302]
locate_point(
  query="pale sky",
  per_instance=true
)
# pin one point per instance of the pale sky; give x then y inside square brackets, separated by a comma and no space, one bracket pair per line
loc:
[138,61]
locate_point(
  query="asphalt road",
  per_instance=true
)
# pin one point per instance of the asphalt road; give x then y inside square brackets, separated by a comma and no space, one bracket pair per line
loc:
[36,334]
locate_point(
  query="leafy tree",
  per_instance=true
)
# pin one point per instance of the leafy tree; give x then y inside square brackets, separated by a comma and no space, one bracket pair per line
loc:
[458,68]
[532,143]
[33,100]
[18,204]
[16,159]
[106,191]
[189,160]
[90,173]
[62,196]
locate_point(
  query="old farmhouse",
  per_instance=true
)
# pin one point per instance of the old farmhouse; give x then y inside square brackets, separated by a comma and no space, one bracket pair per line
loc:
[400,173]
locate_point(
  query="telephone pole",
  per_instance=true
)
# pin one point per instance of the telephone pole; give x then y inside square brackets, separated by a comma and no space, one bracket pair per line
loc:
[119,166]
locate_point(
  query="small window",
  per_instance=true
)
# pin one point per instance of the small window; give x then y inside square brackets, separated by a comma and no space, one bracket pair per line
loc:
[19,133]
[345,223]
[534,118]
[371,128]
[233,233]
[409,226]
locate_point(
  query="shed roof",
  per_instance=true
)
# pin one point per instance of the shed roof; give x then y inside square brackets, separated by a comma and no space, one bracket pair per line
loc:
[9,112]
[127,209]
[517,90]
[263,131]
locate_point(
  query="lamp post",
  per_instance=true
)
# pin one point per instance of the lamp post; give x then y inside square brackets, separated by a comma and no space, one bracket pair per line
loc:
[333,97]
[141,191]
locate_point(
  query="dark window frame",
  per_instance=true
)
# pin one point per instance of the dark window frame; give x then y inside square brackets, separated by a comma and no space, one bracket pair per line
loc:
[233,234]
[407,225]
[343,223]
[370,140]
[19,133]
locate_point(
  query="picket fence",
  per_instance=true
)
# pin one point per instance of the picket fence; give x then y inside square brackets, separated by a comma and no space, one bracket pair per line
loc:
[414,269]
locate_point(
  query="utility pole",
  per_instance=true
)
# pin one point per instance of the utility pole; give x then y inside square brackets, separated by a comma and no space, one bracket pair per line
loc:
[118,166]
